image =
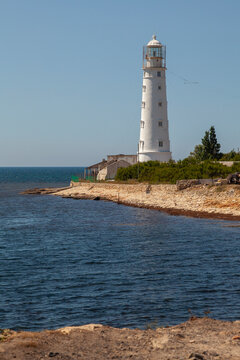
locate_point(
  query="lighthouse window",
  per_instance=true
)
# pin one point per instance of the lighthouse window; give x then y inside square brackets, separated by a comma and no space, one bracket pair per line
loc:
[160,123]
[159,73]
[159,104]
[143,104]
[159,87]
[144,88]
[154,52]
[160,143]
[142,124]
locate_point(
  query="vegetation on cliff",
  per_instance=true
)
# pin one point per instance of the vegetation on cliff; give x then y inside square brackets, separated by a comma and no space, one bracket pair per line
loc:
[156,172]
[231,156]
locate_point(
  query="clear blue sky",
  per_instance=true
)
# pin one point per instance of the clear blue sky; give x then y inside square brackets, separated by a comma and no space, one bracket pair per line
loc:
[70,76]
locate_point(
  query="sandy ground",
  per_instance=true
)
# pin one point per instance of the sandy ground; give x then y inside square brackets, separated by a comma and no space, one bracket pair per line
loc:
[200,200]
[199,339]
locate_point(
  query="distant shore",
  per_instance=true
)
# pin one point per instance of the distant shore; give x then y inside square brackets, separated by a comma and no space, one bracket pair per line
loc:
[201,201]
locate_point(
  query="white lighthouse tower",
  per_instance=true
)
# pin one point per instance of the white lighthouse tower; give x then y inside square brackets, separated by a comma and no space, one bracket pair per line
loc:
[154,141]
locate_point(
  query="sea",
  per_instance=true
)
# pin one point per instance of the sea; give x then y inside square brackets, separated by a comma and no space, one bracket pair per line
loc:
[66,262]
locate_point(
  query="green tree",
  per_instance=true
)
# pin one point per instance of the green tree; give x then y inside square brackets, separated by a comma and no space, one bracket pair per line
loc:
[214,146]
[231,156]
[198,153]
[209,149]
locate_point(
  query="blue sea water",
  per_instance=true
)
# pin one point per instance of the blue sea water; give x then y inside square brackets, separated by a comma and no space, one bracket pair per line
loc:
[68,262]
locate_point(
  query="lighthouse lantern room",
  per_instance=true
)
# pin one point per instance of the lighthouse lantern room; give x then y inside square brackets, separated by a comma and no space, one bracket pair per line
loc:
[154,141]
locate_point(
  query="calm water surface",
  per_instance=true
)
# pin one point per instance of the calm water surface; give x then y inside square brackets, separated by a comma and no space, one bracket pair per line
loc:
[68,262]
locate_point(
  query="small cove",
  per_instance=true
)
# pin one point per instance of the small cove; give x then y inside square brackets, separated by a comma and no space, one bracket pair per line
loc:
[66,262]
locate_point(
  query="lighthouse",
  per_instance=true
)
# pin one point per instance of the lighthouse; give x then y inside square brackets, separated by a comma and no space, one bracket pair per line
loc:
[154,141]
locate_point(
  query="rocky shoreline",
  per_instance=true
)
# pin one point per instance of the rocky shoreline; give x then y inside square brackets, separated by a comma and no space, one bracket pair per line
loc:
[202,201]
[196,339]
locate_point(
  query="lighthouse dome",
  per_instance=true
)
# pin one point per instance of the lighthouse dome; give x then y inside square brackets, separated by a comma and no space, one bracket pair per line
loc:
[154,42]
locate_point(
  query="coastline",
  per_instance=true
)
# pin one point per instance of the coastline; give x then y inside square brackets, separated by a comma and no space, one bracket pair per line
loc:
[196,339]
[200,201]
[188,213]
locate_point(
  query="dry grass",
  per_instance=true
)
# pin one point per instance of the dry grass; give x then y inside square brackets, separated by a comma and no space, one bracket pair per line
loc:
[5,334]
[29,344]
[27,335]
[221,188]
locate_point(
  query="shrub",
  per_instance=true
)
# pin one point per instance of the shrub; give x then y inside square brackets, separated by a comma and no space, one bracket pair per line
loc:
[189,168]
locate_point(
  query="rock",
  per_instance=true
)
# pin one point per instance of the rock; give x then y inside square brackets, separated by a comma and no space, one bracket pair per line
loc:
[148,189]
[236,337]
[212,353]
[43,191]
[221,182]
[184,184]
[196,357]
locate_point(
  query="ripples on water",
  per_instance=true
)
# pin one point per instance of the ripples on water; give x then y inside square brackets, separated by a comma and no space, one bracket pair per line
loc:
[67,262]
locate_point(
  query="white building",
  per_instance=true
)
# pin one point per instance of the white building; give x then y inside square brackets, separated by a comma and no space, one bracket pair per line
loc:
[154,141]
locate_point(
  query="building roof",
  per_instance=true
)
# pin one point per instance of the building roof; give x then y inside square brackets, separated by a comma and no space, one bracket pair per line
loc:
[154,42]
[121,155]
[118,163]
[95,166]
[110,160]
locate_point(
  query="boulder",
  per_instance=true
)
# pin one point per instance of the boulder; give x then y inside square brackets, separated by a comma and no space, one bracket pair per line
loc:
[184,184]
